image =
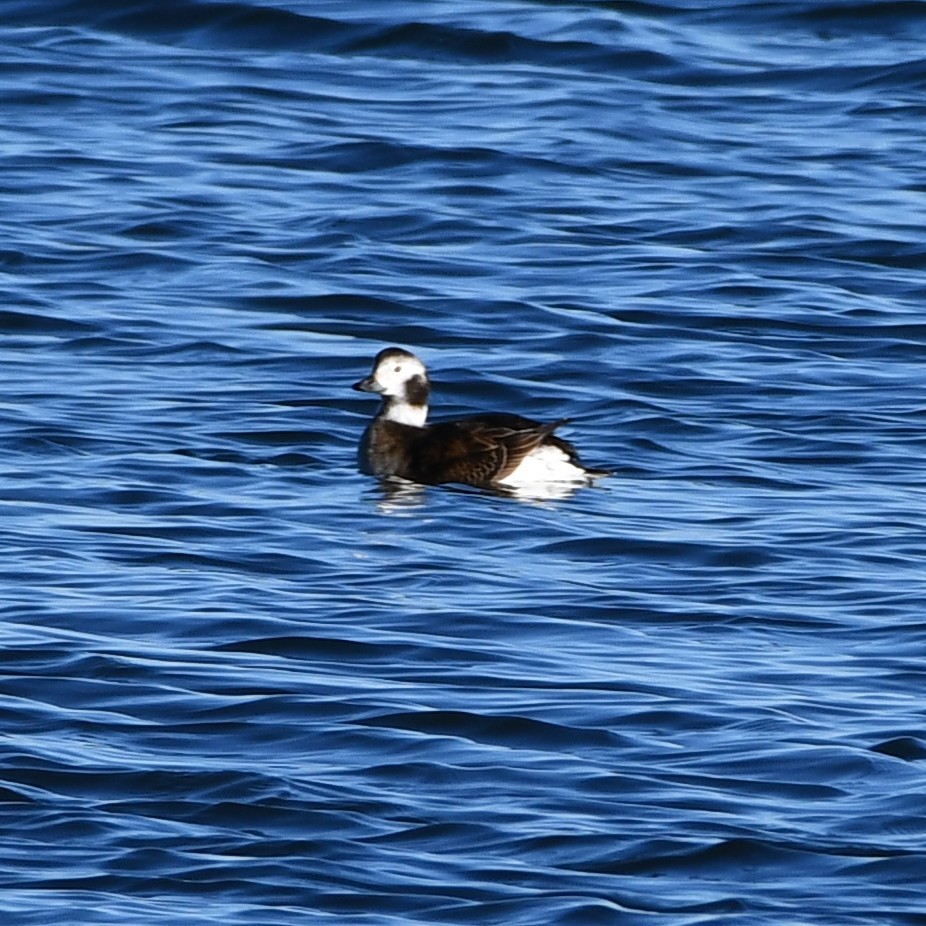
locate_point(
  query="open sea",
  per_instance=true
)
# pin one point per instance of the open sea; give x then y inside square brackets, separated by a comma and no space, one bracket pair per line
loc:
[242,684]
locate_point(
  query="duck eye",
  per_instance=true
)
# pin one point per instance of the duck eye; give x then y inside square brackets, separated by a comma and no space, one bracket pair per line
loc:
[398,369]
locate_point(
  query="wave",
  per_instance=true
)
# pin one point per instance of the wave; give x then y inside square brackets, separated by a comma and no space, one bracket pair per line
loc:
[245,26]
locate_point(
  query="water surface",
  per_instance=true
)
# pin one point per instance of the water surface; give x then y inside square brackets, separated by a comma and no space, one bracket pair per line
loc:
[242,683]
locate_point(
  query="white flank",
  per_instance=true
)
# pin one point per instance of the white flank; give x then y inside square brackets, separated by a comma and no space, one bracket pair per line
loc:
[545,464]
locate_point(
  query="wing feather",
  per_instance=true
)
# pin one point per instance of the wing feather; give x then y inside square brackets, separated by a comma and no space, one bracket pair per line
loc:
[478,450]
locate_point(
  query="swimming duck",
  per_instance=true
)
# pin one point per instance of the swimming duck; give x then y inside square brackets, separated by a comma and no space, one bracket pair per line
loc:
[493,450]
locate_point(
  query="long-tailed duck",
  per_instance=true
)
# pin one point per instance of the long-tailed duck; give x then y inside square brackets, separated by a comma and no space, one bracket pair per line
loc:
[495,450]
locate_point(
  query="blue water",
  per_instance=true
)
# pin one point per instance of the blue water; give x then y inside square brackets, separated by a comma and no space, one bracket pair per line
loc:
[242,683]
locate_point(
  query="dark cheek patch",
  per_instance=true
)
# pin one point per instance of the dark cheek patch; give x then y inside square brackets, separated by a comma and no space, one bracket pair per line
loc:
[416,391]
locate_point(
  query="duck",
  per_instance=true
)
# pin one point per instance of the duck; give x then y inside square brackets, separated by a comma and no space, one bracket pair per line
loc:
[493,450]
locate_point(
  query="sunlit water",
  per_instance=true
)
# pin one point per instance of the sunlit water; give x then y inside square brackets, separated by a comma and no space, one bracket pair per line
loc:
[243,684]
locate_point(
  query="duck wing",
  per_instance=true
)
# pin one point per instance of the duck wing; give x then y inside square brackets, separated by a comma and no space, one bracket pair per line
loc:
[478,450]
[519,423]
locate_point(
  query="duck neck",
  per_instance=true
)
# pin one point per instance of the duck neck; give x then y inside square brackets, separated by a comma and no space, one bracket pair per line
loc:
[402,412]
[411,407]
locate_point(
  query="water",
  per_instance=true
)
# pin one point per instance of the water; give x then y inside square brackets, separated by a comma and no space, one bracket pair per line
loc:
[243,684]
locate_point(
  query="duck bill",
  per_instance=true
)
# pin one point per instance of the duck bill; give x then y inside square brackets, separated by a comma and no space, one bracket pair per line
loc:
[367,385]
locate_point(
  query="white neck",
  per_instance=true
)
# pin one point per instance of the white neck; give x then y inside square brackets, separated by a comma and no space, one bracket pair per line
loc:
[405,413]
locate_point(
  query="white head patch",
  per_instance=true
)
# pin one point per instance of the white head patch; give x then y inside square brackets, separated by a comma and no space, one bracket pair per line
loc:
[394,370]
